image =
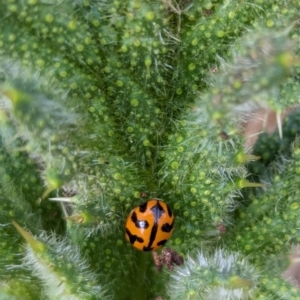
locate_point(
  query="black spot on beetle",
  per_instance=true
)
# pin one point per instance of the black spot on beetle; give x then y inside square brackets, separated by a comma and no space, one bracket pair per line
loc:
[143,207]
[169,211]
[142,224]
[134,217]
[167,227]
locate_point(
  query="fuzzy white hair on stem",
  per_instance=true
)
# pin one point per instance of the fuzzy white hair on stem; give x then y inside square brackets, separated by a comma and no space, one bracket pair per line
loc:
[216,276]
[55,279]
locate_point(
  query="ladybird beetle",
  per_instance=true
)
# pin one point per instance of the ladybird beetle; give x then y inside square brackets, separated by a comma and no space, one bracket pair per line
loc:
[149,225]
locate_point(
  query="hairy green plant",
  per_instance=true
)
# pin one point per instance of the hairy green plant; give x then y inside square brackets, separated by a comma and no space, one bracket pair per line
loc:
[106,104]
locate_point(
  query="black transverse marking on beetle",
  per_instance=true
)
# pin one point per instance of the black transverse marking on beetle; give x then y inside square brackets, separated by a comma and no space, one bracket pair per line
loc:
[142,224]
[161,243]
[133,238]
